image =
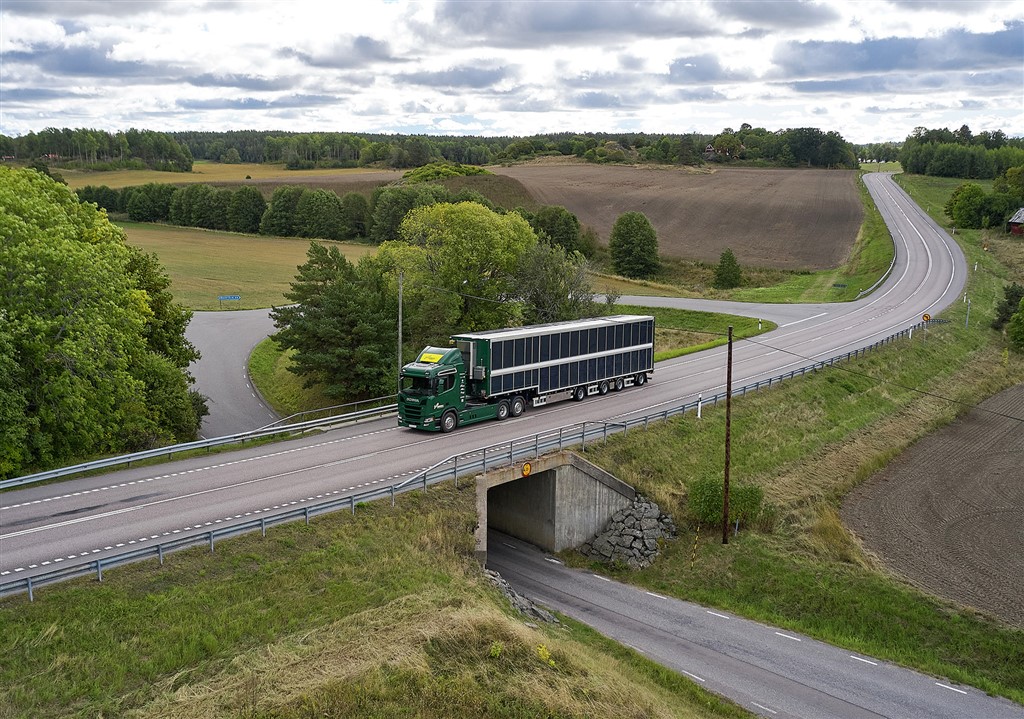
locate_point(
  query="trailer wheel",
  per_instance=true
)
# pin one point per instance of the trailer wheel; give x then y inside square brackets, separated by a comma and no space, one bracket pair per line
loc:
[640,380]
[503,410]
[579,394]
[449,421]
[620,384]
[518,406]
[603,387]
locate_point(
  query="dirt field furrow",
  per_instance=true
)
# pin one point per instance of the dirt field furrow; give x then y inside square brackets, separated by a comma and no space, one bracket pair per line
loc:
[948,514]
[785,219]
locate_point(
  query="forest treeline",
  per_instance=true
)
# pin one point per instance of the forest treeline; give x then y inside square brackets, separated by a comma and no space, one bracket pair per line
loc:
[961,153]
[98,149]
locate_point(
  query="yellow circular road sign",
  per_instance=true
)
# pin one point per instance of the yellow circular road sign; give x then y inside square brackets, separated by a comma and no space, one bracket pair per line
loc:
[527,469]
[926,317]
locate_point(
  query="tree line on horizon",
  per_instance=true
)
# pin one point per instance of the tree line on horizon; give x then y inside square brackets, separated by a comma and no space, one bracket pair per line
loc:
[175,151]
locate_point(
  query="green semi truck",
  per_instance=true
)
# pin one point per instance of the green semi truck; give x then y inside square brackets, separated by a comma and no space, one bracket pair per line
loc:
[495,374]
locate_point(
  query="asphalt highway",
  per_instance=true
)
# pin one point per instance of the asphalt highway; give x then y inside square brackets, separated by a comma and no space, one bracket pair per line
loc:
[92,517]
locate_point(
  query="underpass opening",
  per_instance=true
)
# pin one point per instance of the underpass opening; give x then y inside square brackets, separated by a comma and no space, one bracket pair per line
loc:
[555,502]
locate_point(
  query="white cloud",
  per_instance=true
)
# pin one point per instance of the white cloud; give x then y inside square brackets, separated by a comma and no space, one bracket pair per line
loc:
[872,69]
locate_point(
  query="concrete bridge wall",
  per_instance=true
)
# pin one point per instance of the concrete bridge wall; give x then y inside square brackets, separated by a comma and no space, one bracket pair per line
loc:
[563,502]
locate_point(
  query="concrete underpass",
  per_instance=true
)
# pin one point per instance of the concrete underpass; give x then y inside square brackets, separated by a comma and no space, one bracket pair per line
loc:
[554,502]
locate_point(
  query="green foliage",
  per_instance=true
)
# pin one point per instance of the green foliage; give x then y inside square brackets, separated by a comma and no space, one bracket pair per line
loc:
[1015,328]
[392,203]
[706,496]
[356,214]
[558,225]
[441,170]
[149,203]
[553,286]
[468,256]
[728,273]
[90,356]
[246,210]
[1007,307]
[634,246]
[319,215]
[102,196]
[279,219]
[342,326]
[966,206]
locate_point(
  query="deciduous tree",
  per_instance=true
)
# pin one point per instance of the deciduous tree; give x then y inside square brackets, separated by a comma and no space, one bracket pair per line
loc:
[634,246]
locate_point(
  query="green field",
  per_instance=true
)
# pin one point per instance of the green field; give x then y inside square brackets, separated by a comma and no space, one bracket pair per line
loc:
[204,265]
[208,172]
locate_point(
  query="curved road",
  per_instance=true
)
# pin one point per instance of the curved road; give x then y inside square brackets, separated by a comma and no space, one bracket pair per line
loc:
[89,517]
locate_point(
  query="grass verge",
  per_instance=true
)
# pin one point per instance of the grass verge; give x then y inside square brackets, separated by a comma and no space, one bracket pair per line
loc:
[382,613]
[806,444]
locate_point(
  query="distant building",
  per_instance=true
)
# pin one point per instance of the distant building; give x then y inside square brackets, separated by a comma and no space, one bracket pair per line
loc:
[1016,223]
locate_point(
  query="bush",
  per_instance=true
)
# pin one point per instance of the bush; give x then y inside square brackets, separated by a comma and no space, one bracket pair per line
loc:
[706,497]
[728,273]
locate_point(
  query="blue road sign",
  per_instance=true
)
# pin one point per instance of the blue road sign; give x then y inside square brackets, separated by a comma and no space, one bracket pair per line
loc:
[230,297]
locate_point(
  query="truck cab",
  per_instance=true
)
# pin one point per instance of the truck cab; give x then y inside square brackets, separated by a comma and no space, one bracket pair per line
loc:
[433,390]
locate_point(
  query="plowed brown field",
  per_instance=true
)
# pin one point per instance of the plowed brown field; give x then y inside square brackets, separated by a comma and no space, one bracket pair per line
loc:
[784,219]
[948,514]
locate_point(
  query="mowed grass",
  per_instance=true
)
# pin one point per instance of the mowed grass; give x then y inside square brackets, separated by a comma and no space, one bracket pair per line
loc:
[204,265]
[202,171]
[378,614]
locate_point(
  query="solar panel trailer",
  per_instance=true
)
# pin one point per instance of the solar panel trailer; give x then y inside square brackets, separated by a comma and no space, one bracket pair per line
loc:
[495,374]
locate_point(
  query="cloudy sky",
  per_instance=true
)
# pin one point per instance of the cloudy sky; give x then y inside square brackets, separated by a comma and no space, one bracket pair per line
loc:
[871,69]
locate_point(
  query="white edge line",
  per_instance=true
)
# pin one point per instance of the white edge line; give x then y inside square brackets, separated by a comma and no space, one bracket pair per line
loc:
[606,579]
[716,614]
[866,661]
[700,679]
[803,320]
[786,636]
[946,686]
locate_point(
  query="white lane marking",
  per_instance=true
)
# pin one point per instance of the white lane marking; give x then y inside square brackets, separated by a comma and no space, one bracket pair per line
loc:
[552,560]
[606,579]
[795,639]
[814,317]
[700,679]
[655,595]
[507,544]
[946,686]
[716,614]
[764,708]
[866,661]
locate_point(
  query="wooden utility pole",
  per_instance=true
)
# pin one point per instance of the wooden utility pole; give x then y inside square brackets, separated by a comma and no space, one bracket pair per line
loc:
[728,443]
[401,277]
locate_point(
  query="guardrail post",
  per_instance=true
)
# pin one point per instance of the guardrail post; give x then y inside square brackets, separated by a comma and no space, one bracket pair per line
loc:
[28,582]
[511,454]
[99,570]
[583,436]
[456,471]
[485,461]
[211,541]
[306,512]
[536,446]
[160,553]
[559,439]
[392,488]
[352,501]
[263,525]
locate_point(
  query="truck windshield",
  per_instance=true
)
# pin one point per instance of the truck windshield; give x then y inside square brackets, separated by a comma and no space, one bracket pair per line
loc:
[418,385]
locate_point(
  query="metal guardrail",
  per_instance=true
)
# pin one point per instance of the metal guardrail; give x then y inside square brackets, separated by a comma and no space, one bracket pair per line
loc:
[478,460]
[168,451]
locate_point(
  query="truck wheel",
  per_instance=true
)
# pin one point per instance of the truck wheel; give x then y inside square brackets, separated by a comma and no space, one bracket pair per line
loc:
[449,421]
[518,406]
[503,410]
[602,388]
[640,380]
[620,384]
[579,394]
